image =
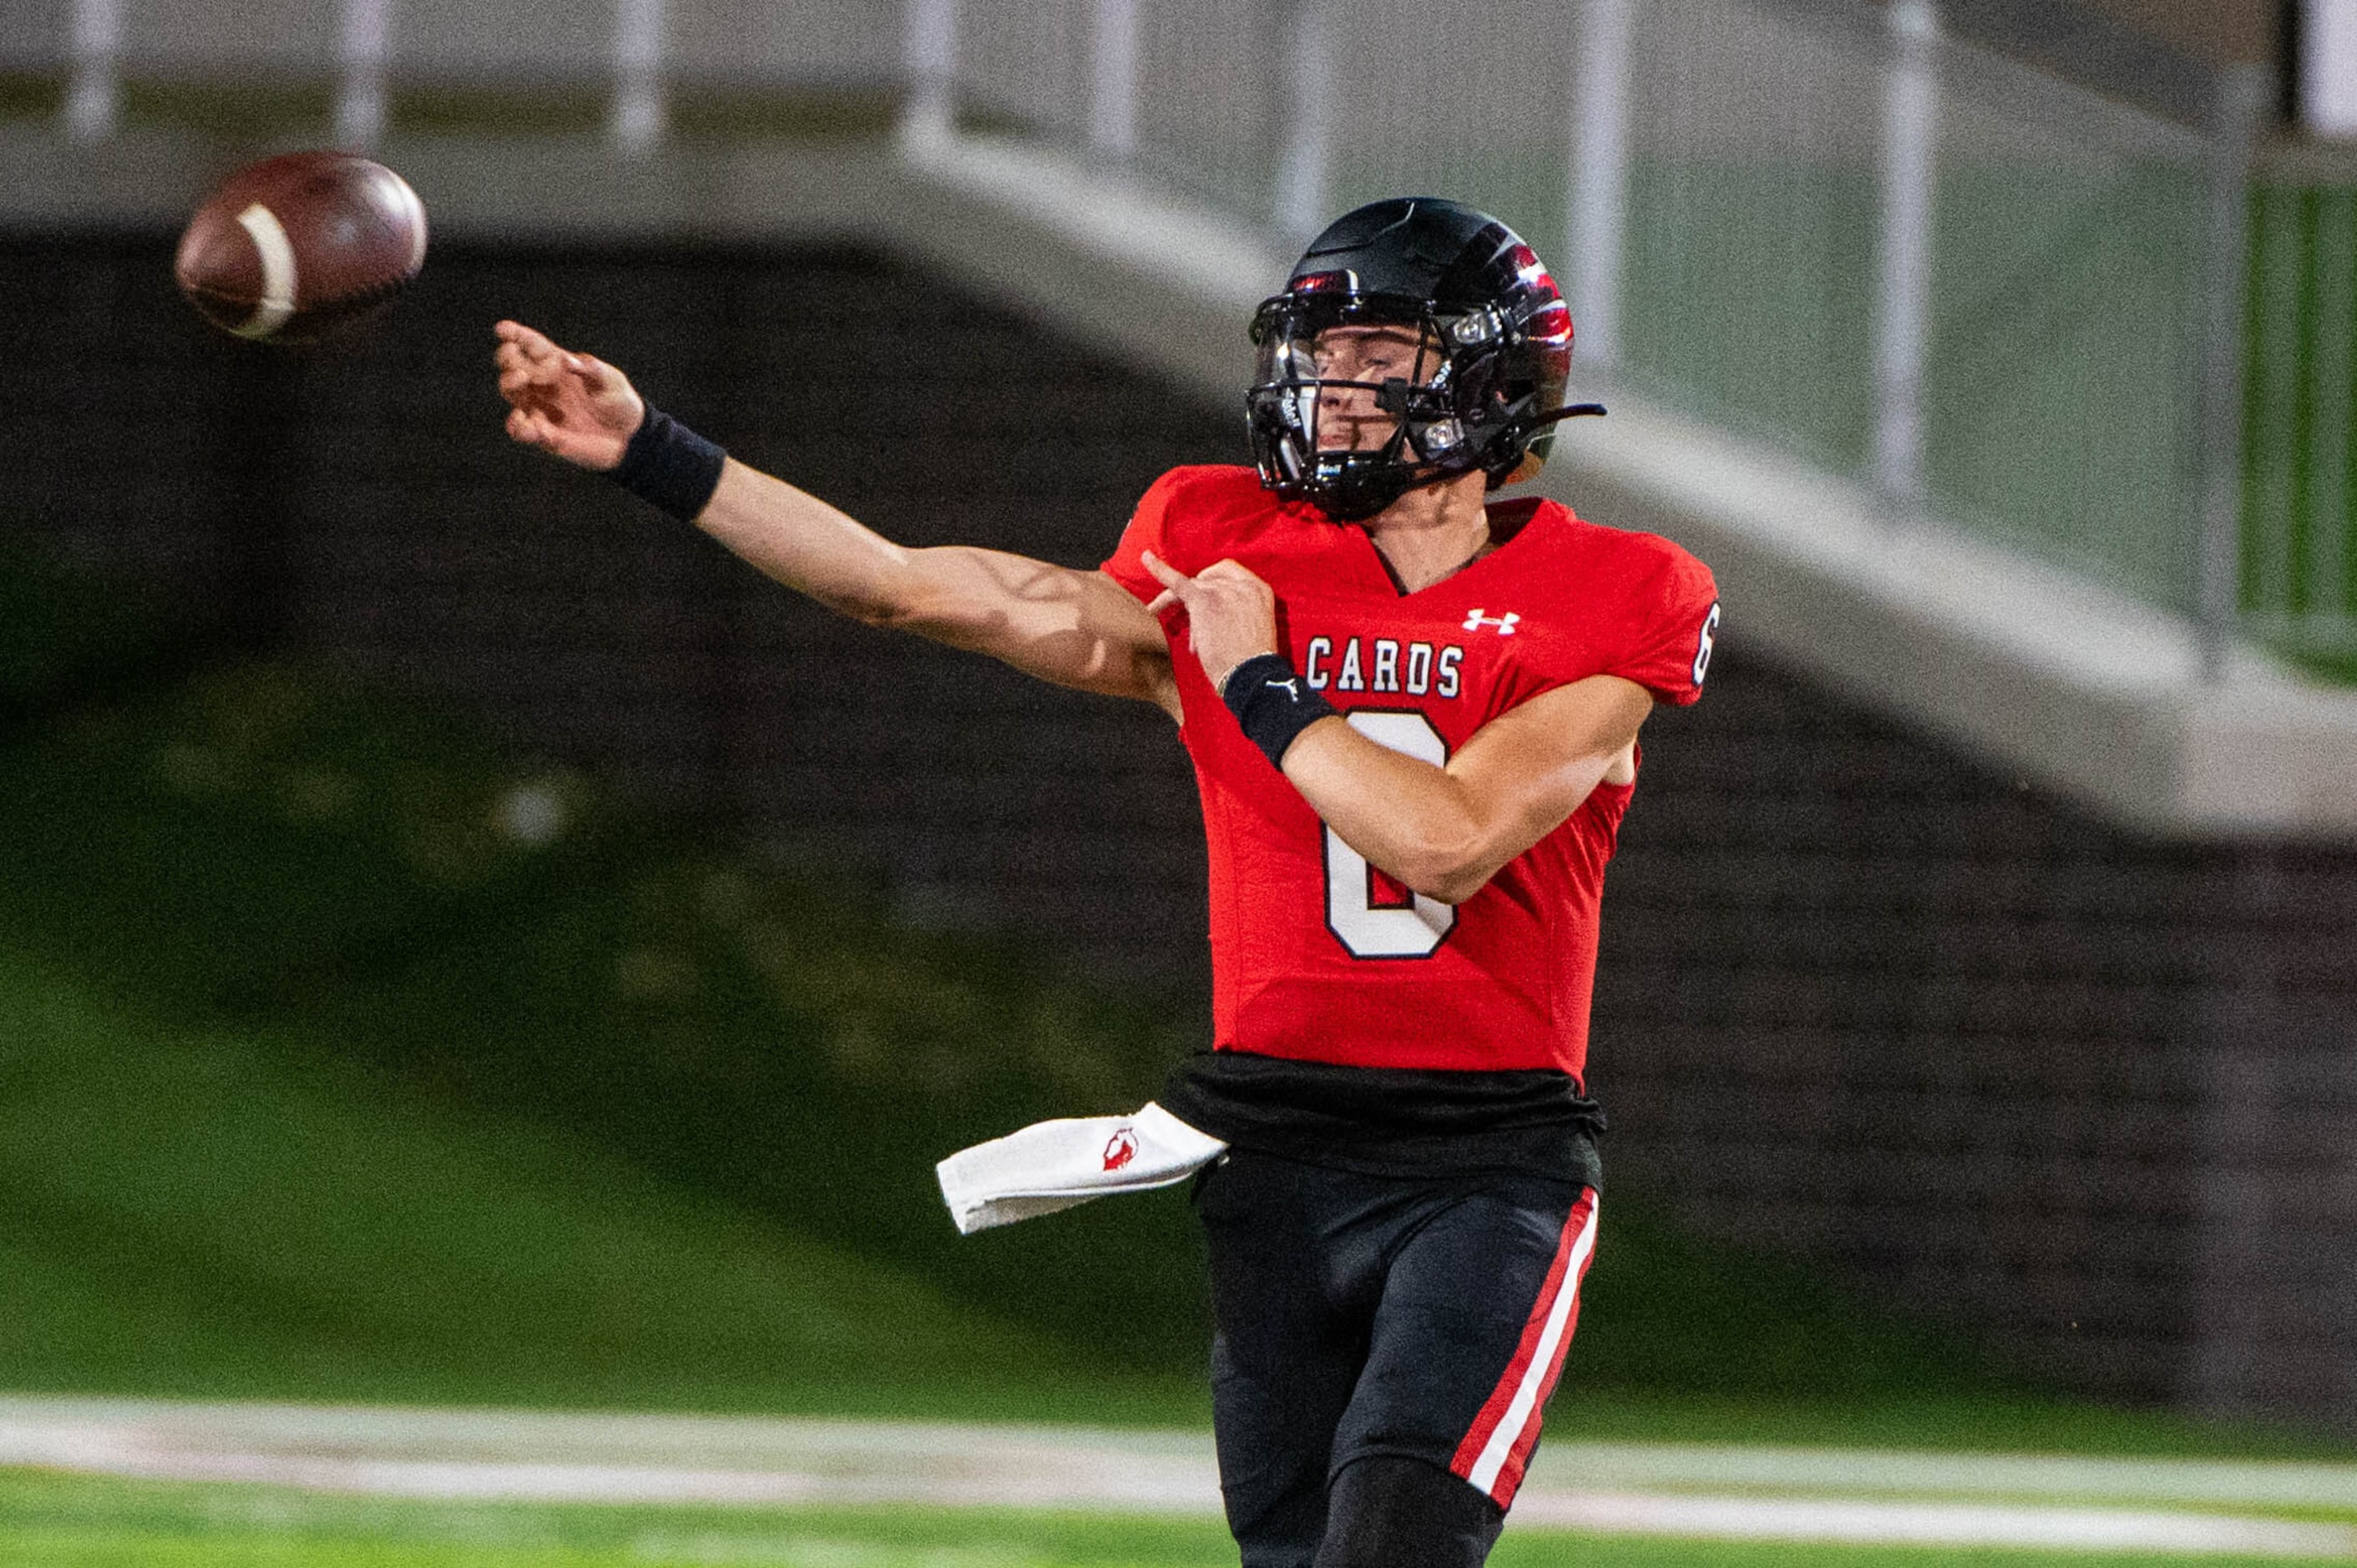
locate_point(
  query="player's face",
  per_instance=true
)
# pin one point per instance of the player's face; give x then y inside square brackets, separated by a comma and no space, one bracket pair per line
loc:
[1348,417]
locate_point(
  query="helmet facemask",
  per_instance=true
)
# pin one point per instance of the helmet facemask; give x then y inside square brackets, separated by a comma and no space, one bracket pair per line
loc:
[1447,407]
[1347,402]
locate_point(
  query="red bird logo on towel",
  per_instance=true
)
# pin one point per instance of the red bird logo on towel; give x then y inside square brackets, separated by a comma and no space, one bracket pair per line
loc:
[1120,1149]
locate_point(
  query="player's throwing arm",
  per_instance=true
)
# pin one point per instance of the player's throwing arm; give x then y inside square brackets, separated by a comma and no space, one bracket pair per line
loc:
[1073,628]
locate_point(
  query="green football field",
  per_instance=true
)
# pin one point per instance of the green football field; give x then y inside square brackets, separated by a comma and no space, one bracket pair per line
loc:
[59,1522]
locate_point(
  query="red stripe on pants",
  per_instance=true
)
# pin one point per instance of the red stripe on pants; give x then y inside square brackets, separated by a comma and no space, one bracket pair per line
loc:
[1519,1368]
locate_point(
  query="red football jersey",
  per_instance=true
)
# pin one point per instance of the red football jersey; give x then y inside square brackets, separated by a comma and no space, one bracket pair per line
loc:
[1316,955]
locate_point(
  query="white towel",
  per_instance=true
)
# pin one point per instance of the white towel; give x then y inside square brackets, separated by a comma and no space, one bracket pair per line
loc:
[1050,1166]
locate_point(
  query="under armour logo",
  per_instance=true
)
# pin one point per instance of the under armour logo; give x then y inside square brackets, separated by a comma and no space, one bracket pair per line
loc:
[1475,620]
[1292,685]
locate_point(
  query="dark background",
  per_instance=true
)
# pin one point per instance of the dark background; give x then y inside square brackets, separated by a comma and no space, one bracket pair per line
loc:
[1860,1002]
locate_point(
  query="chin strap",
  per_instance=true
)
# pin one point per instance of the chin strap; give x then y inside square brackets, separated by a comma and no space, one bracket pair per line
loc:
[1573,410]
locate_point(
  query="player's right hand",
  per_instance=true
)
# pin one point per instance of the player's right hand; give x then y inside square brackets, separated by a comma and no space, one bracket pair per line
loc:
[575,405]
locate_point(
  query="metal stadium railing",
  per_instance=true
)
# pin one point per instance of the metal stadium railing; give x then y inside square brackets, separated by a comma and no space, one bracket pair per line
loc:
[2299,566]
[2012,302]
[1991,293]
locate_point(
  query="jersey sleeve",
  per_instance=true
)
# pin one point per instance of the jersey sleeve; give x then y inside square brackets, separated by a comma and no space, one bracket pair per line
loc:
[1149,529]
[1671,623]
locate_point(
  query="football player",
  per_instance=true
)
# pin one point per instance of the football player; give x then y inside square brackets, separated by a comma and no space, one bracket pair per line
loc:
[1412,712]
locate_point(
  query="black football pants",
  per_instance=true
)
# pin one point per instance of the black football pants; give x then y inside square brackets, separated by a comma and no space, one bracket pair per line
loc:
[1384,1346]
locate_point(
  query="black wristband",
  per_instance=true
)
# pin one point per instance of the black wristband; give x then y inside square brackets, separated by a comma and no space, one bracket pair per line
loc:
[1271,703]
[670,464]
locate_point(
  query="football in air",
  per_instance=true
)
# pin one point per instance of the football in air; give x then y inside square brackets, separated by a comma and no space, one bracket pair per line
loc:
[299,246]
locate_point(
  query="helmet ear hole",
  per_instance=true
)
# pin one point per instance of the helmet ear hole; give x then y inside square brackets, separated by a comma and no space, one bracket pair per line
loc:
[1526,466]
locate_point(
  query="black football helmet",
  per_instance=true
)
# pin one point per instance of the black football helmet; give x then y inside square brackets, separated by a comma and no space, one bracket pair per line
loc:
[1493,359]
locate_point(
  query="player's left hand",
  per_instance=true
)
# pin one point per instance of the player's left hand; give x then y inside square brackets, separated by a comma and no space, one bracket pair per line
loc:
[1231,613]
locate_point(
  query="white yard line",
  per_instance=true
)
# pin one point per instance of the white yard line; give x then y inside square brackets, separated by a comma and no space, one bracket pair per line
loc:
[2243,1483]
[1913,1498]
[1888,1522]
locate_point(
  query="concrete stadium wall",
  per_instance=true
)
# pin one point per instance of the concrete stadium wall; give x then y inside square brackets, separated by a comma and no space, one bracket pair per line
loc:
[1861,1000]
[1864,1001]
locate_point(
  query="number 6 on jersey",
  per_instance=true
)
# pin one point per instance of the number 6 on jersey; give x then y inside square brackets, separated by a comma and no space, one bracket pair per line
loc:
[1413,926]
